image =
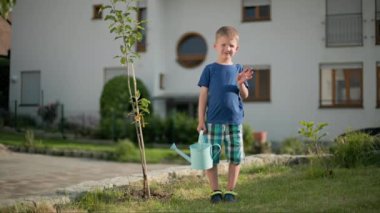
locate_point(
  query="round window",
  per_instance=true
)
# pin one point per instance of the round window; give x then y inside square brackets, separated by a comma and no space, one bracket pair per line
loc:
[191,50]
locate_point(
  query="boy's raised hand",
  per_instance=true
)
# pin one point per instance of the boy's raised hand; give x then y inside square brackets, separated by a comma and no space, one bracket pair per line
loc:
[245,75]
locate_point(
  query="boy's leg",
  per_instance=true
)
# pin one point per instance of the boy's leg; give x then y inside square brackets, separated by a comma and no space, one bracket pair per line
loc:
[214,136]
[235,153]
[212,175]
[233,174]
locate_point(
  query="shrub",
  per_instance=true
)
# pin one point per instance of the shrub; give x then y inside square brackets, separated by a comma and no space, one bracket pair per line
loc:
[30,139]
[49,112]
[9,119]
[312,132]
[376,144]
[125,151]
[354,149]
[23,121]
[156,130]
[292,146]
[181,129]
[248,138]
[265,147]
[115,106]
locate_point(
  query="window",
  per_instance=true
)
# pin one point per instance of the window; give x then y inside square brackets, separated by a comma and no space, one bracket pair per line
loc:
[377,22]
[141,16]
[341,85]
[97,12]
[256,10]
[110,73]
[344,23]
[259,85]
[162,81]
[378,85]
[30,88]
[191,50]
[188,106]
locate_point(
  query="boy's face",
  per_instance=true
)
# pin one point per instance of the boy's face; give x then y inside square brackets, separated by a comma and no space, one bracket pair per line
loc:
[226,47]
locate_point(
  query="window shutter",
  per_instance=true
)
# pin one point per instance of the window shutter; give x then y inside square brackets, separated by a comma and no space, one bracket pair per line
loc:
[30,88]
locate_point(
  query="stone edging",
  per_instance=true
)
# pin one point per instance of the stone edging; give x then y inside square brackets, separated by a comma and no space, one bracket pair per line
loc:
[63,152]
[68,194]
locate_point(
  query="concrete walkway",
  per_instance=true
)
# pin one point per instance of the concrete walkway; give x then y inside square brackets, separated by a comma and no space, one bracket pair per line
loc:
[23,175]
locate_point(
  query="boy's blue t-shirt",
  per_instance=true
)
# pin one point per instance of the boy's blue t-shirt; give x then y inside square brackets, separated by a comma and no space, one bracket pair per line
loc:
[224,104]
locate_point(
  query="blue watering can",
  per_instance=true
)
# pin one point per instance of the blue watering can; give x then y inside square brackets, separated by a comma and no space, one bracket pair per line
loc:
[200,154]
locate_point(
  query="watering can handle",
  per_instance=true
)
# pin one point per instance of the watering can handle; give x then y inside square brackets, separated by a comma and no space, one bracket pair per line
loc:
[200,138]
[220,149]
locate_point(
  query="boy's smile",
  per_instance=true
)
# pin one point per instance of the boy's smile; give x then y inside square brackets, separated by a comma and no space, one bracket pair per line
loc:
[226,47]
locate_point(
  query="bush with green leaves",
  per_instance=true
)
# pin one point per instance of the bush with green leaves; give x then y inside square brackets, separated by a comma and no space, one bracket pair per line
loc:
[48,112]
[177,127]
[181,129]
[292,146]
[25,121]
[320,166]
[156,130]
[354,149]
[248,138]
[115,107]
[125,151]
[377,142]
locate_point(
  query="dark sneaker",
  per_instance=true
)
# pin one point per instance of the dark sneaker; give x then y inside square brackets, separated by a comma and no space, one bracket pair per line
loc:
[230,197]
[216,197]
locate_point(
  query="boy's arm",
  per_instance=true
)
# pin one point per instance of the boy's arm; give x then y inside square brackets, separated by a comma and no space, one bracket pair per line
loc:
[243,91]
[202,102]
[241,79]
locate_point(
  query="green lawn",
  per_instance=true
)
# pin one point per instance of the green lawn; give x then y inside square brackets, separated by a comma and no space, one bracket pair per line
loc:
[265,189]
[14,139]
[261,189]
[153,155]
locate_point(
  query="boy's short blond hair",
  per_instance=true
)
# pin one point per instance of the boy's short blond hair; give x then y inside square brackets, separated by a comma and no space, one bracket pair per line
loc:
[228,31]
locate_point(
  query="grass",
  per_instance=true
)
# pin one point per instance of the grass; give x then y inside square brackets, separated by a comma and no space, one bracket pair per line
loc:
[153,155]
[261,189]
[14,139]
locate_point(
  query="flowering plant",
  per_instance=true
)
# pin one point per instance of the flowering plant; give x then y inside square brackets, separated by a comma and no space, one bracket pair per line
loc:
[48,113]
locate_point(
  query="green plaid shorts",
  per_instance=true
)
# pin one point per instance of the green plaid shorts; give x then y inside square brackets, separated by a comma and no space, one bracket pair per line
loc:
[231,135]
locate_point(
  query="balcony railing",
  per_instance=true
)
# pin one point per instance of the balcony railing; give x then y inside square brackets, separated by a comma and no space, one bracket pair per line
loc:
[344,30]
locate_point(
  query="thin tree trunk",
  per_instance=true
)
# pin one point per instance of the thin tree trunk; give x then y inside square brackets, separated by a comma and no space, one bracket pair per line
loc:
[139,133]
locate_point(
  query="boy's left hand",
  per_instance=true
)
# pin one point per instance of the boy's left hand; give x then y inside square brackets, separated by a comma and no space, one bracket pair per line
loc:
[244,76]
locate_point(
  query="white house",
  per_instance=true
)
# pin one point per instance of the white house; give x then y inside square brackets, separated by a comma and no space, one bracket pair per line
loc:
[314,59]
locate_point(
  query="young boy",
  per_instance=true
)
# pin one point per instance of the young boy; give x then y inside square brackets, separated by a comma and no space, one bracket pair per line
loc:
[223,85]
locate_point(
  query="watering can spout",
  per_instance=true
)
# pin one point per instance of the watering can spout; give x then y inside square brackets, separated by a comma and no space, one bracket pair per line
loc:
[174,147]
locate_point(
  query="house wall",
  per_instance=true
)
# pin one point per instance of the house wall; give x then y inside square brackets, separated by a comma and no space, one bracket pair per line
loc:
[71,50]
